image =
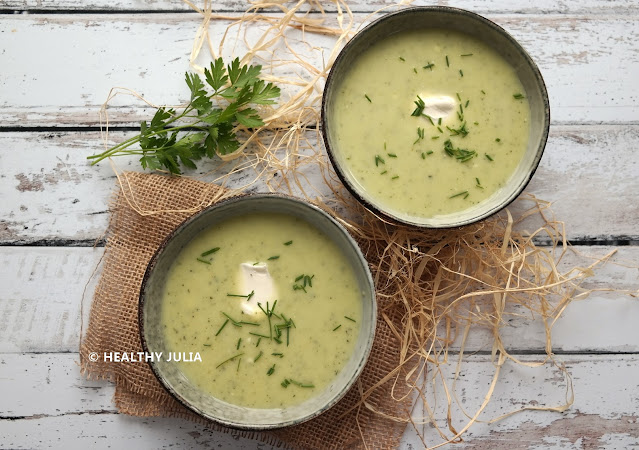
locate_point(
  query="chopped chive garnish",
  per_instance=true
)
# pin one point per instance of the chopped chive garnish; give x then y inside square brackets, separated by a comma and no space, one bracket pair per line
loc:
[459,194]
[401,59]
[299,278]
[518,96]
[222,327]
[258,341]
[478,182]
[414,70]
[429,66]
[238,364]
[461,108]
[239,341]
[208,252]
[256,263]
[204,261]
[279,355]
[230,359]
[288,243]
[430,152]
[395,177]
[467,103]
[447,62]
[440,130]
[271,370]
[462,155]
[274,257]
[379,159]
[458,97]
[384,172]
[337,327]
[258,356]
[483,92]
[251,294]
[420,105]
[233,321]
[259,335]
[420,134]
[439,121]
[348,318]
[497,140]
[391,155]
[461,72]
[461,131]
[430,119]
[368,98]
[435,137]
[476,123]
[423,155]
[488,157]
[467,54]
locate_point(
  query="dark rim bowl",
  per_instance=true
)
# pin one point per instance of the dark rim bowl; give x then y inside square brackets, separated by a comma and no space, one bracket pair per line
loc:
[478,27]
[178,385]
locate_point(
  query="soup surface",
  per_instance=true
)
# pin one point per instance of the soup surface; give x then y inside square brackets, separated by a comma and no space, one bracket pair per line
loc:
[429,123]
[269,302]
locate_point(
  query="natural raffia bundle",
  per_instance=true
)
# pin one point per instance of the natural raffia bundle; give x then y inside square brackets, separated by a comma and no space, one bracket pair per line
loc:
[434,286]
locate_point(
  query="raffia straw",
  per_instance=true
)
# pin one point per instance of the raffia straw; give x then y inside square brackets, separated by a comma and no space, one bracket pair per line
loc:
[445,283]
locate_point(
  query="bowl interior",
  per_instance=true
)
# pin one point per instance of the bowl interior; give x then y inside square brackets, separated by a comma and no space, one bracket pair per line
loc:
[174,380]
[481,29]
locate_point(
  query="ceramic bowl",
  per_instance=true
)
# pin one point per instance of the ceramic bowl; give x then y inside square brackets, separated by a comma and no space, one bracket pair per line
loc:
[482,29]
[204,404]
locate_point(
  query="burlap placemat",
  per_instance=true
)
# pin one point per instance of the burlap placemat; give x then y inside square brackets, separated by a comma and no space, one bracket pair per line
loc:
[132,239]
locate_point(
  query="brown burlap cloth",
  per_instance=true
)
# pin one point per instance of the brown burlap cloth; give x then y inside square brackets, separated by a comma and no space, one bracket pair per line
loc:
[132,239]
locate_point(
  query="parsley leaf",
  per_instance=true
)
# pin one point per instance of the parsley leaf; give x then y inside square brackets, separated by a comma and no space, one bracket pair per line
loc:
[207,125]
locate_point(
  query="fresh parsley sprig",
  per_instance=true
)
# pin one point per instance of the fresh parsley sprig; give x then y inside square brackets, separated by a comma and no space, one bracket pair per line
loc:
[207,124]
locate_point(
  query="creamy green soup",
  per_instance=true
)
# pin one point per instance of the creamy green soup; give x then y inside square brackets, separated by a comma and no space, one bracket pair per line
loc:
[271,305]
[429,123]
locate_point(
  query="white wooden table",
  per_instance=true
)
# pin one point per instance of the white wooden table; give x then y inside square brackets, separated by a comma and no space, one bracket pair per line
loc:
[59,59]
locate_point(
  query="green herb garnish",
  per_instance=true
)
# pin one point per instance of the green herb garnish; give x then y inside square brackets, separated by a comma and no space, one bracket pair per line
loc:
[271,370]
[420,106]
[230,359]
[429,66]
[274,257]
[337,327]
[279,355]
[348,318]
[204,261]
[288,242]
[222,327]
[461,131]
[401,59]
[420,135]
[518,96]
[207,124]
[460,154]
[488,157]
[239,341]
[459,194]
[208,252]
[391,155]
[379,159]
[368,98]
[395,177]
[289,381]
[467,54]
[497,140]
[461,72]
[307,281]
[258,356]
[447,63]
[382,173]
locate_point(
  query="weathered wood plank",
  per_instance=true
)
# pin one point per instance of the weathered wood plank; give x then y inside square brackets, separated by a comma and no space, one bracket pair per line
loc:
[544,6]
[52,194]
[114,51]
[41,305]
[48,404]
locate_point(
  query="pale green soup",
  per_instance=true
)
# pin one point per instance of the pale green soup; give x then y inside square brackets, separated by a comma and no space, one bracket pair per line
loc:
[269,302]
[430,123]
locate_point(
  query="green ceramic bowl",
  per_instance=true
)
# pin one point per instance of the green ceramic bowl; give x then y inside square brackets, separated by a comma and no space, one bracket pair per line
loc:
[204,404]
[480,28]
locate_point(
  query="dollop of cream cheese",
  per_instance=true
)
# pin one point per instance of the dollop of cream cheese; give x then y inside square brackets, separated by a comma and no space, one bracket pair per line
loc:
[256,278]
[438,106]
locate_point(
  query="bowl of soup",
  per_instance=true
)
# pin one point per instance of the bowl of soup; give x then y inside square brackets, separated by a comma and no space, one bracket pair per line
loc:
[263,310]
[434,117]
